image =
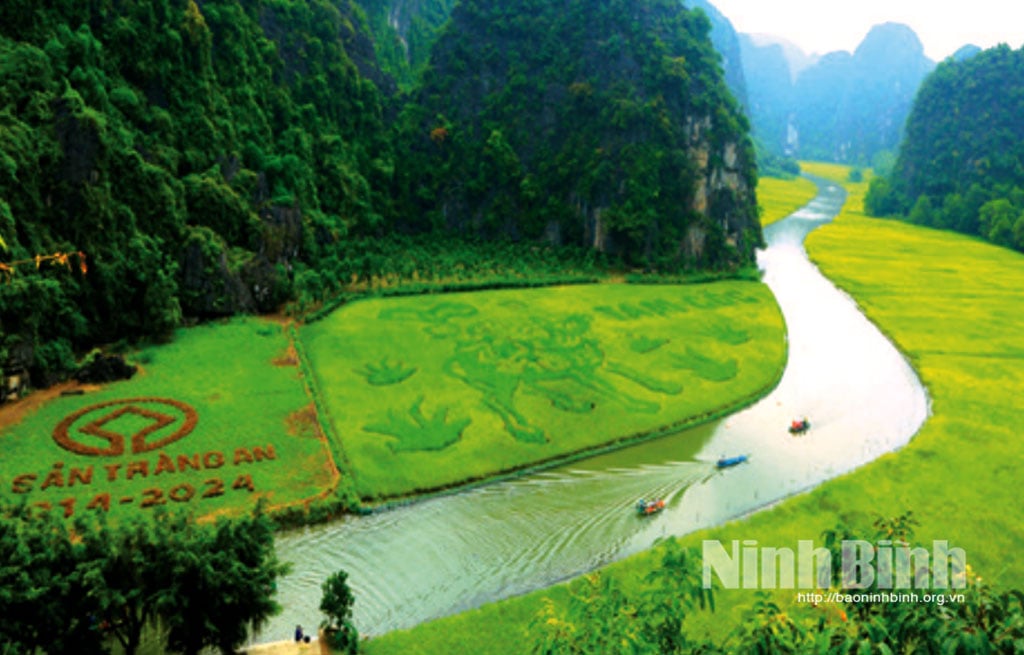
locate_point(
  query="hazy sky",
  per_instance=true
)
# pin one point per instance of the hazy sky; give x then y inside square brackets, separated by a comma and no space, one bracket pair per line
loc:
[825,25]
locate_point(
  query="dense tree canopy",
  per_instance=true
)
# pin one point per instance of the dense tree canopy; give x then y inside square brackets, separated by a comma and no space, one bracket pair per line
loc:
[216,157]
[961,165]
[604,124]
[80,588]
[198,156]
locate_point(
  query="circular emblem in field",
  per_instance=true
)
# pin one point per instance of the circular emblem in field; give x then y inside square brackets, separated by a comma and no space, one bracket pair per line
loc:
[136,425]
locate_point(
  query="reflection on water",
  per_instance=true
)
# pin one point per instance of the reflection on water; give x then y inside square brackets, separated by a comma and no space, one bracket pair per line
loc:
[452,553]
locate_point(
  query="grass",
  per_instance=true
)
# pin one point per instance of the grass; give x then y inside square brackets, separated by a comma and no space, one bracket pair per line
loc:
[953,305]
[255,435]
[778,198]
[427,392]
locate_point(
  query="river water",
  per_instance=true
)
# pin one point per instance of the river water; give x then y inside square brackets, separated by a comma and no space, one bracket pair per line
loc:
[456,552]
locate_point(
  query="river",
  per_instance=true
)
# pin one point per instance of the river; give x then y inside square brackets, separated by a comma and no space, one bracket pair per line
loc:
[452,553]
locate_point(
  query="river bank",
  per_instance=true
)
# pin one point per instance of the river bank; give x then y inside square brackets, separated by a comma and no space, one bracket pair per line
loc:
[507,539]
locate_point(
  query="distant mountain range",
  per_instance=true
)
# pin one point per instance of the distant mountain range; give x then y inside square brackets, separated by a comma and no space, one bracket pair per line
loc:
[837,107]
[841,106]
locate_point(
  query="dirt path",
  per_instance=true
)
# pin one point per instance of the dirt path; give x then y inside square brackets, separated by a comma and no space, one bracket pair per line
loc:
[13,412]
[284,648]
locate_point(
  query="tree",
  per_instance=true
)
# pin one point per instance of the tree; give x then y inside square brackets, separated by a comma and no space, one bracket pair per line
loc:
[64,591]
[45,602]
[996,219]
[126,570]
[336,604]
[881,198]
[222,584]
[602,618]
[922,212]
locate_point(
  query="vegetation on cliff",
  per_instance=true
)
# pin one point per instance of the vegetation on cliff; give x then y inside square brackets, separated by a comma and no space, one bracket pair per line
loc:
[217,157]
[201,158]
[605,125]
[961,166]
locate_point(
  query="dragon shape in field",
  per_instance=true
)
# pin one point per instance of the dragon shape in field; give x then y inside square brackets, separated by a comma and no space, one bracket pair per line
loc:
[558,360]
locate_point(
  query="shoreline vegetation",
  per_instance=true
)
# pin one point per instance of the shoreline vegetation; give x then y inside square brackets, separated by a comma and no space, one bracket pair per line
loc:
[944,300]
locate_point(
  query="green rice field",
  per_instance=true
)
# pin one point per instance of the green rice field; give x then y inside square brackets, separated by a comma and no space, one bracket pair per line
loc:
[213,421]
[403,395]
[779,198]
[427,392]
[953,305]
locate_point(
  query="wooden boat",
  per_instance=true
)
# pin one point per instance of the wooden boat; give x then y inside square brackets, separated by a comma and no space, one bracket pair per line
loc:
[799,427]
[648,507]
[726,462]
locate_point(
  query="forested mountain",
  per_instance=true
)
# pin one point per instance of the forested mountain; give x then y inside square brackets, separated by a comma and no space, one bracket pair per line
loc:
[848,107]
[201,158]
[770,100]
[727,43]
[223,156]
[966,52]
[961,165]
[838,107]
[404,31]
[601,123]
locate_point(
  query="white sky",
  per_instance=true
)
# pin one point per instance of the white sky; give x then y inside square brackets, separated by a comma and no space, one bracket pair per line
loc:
[820,26]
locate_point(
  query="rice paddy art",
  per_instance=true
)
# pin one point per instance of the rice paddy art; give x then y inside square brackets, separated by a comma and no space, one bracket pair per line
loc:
[429,391]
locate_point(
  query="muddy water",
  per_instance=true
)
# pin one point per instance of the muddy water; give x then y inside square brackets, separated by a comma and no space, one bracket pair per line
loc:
[453,553]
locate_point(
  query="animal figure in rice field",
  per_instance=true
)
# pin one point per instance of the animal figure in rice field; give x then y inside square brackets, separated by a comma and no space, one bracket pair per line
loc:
[559,360]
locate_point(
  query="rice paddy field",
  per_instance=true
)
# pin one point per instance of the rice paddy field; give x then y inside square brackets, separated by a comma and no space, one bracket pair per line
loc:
[953,305]
[390,397]
[428,392]
[778,198]
[214,421]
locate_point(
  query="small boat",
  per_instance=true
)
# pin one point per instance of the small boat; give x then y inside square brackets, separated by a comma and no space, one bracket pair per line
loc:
[799,427]
[726,462]
[648,507]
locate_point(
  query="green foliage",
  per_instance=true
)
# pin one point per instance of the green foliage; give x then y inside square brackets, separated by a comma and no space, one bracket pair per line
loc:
[530,126]
[961,166]
[126,131]
[45,600]
[70,590]
[601,617]
[336,604]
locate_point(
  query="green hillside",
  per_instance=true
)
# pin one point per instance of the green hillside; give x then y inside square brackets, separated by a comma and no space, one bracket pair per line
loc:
[961,165]
[193,160]
[600,124]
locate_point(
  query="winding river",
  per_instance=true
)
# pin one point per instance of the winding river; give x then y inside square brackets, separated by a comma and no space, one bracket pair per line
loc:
[456,552]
